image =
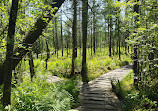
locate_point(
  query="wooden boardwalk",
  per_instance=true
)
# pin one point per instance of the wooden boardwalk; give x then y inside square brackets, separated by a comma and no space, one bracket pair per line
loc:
[97,95]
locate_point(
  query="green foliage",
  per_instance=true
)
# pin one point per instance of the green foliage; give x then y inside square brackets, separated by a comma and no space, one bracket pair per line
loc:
[41,95]
[71,86]
[133,100]
[144,37]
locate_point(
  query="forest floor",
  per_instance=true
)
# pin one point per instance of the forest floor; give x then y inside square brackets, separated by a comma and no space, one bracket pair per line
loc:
[97,95]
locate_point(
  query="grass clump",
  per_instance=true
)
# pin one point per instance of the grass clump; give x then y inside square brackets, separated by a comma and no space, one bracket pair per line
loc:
[132,99]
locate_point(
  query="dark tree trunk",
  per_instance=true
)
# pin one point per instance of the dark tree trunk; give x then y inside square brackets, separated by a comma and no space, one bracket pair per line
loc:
[94,29]
[119,39]
[84,35]
[48,54]
[110,39]
[53,20]
[9,54]
[67,42]
[135,65]
[62,36]
[31,64]
[30,38]
[79,31]
[74,37]
[56,37]
[94,33]
[92,39]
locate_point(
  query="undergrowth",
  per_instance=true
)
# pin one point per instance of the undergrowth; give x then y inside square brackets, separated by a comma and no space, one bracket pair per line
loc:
[132,99]
[41,95]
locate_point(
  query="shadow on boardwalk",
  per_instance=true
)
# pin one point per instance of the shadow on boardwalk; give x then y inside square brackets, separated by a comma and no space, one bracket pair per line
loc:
[97,95]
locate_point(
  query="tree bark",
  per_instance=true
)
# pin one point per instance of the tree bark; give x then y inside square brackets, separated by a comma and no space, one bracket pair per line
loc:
[84,35]
[9,54]
[94,28]
[48,54]
[56,37]
[110,39]
[74,38]
[135,65]
[31,64]
[91,38]
[62,36]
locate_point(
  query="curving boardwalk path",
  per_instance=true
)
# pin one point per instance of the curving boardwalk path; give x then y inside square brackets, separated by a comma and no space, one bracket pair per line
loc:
[97,95]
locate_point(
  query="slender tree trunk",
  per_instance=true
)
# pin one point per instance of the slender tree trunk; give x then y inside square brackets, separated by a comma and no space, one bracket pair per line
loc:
[48,54]
[56,36]
[108,33]
[92,39]
[80,33]
[84,35]
[31,64]
[62,36]
[113,46]
[94,29]
[54,44]
[9,53]
[74,37]
[67,42]
[119,39]
[100,41]
[135,65]
[105,36]
[110,40]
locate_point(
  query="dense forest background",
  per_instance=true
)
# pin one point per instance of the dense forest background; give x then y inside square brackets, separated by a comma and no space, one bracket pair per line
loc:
[75,40]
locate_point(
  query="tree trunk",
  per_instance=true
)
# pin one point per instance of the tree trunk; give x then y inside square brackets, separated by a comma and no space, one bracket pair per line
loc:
[119,39]
[56,37]
[48,54]
[91,38]
[110,39]
[94,28]
[74,37]
[62,36]
[94,33]
[9,54]
[135,65]
[80,33]
[84,35]
[31,64]
[67,42]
